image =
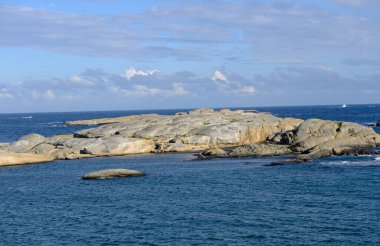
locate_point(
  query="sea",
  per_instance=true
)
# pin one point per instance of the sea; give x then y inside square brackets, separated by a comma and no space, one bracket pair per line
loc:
[185,201]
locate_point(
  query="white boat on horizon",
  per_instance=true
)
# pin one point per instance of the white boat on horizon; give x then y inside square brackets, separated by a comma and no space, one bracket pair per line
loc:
[344,106]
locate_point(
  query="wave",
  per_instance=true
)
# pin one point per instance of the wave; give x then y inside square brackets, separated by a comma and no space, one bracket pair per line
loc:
[370,124]
[58,125]
[55,122]
[373,161]
[27,117]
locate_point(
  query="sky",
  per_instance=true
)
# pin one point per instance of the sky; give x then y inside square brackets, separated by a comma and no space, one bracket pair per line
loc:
[87,55]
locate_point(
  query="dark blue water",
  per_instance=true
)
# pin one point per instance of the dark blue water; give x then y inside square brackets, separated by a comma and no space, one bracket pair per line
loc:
[334,201]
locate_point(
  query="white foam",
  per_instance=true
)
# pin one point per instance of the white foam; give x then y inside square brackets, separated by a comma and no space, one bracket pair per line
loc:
[55,124]
[370,162]
[27,117]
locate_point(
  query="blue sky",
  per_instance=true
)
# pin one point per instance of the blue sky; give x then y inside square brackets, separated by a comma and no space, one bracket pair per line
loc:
[116,54]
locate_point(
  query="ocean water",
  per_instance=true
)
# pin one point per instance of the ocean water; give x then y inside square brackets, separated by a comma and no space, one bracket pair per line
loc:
[183,201]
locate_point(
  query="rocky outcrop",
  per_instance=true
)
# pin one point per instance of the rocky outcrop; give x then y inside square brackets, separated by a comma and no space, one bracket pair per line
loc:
[113,173]
[312,139]
[255,134]
[316,138]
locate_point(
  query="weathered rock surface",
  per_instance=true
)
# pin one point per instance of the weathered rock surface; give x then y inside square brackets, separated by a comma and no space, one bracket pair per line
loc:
[261,134]
[260,150]
[11,158]
[113,173]
[25,143]
[216,152]
[313,139]
[316,138]
[73,148]
[107,120]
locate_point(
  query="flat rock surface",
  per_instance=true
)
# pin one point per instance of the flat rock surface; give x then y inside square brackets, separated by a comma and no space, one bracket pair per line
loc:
[11,158]
[113,173]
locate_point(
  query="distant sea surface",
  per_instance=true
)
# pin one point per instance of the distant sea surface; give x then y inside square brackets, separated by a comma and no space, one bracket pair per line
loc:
[183,201]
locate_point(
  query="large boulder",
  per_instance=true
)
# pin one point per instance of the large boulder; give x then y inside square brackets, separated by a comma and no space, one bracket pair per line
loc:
[25,143]
[317,138]
[329,134]
[113,173]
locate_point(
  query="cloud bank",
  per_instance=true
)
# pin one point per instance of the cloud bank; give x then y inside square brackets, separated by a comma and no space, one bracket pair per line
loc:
[97,90]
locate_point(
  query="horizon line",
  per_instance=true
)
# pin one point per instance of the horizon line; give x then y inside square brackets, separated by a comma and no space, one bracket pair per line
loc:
[183,109]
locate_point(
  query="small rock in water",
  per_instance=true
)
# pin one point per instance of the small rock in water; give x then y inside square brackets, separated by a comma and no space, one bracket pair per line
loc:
[378,123]
[113,173]
[215,152]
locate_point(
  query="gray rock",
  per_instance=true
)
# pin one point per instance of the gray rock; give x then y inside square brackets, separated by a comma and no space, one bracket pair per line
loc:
[286,138]
[251,111]
[353,151]
[225,111]
[181,113]
[202,111]
[316,138]
[113,173]
[25,143]
[214,153]
[202,129]
[260,150]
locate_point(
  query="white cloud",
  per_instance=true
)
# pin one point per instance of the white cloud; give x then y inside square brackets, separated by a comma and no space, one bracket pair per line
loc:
[219,76]
[49,95]
[35,94]
[5,94]
[73,98]
[232,84]
[77,80]
[247,90]
[132,72]
[285,85]
[143,90]
[178,90]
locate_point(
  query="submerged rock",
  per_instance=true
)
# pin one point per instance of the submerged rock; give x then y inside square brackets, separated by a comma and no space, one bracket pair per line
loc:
[113,173]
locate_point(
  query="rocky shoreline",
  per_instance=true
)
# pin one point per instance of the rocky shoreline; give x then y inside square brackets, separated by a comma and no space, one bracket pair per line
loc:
[245,133]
